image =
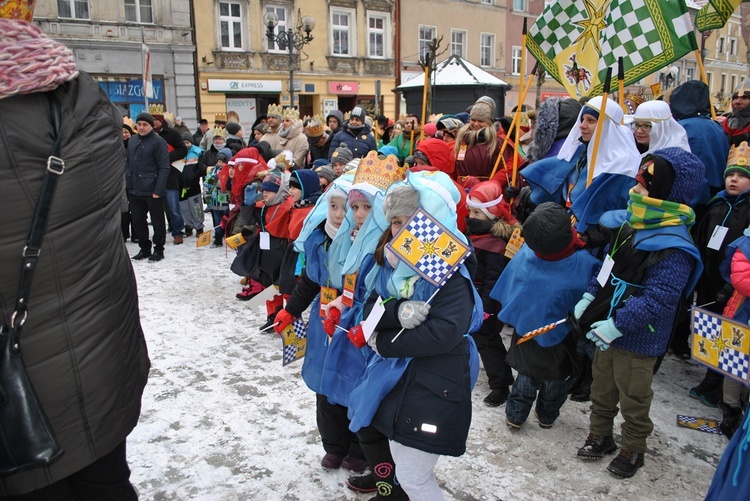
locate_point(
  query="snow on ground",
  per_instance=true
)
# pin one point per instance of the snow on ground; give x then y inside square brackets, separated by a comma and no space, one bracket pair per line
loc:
[223,420]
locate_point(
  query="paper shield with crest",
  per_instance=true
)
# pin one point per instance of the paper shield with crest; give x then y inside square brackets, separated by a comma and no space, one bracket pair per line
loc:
[722,344]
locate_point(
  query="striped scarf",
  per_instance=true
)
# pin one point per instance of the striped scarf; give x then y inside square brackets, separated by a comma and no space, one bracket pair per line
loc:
[646,213]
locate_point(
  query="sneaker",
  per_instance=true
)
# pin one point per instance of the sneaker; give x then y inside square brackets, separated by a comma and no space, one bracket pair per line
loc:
[497,397]
[354,465]
[331,461]
[513,425]
[178,240]
[156,256]
[362,483]
[543,423]
[141,255]
[626,463]
[597,447]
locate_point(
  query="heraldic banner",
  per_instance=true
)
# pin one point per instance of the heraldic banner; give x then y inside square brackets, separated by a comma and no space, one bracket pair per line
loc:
[721,344]
[294,341]
[577,40]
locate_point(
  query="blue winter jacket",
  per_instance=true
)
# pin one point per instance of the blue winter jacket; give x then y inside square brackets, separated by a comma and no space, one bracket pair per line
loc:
[360,144]
[147,168]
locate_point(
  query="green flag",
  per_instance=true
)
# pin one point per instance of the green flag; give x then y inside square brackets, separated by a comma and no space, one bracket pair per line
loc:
[577,40]
[715,14]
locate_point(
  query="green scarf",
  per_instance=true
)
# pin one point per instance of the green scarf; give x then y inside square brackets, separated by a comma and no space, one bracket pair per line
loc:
[646,213]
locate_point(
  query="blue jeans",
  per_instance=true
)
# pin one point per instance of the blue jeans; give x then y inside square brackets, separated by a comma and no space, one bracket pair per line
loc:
[216,215]
[552,396]
[173,213]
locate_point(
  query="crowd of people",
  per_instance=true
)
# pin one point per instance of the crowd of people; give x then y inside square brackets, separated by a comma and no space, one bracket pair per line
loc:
[622,232]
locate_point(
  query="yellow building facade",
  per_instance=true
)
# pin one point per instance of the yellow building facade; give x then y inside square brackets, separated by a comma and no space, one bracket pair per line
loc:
[350,56]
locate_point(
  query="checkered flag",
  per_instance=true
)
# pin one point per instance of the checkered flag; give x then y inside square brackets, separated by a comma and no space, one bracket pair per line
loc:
[294,340]
[715,14]
[721,344]
[429,248]
[577,40]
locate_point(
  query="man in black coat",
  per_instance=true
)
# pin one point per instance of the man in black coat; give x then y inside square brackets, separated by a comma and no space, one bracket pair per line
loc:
[146,180]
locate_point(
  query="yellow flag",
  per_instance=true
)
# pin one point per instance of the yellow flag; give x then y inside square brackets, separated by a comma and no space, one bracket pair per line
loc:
[203,239]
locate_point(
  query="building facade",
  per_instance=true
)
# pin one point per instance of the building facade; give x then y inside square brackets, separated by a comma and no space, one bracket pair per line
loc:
[106,37]
[350,59]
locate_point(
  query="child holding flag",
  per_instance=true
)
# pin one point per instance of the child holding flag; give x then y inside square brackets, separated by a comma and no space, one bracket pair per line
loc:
[541,285]
[417,387]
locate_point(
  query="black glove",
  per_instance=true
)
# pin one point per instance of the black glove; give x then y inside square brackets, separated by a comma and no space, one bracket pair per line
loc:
[511,192]
[722,297]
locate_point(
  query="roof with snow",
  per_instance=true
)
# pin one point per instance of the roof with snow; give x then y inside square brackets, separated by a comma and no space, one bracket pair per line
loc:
[457,71]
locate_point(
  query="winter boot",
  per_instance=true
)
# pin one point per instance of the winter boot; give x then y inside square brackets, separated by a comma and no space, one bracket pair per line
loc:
[497,396]
[362,483]
[597,447]
[731,418]
[710,391]
[626,463]
[251,290]
[582,392]
[375,447]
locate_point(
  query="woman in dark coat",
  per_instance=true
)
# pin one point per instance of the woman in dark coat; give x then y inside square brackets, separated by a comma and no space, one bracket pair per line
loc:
[82,343]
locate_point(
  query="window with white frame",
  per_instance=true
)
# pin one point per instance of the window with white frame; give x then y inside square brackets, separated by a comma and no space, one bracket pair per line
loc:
[230,24]
[139,11]
[487,2]
[458,43]
[723,87]
[720,45]
[690,73]
[520,5]
[426,35]
[734,84]
[283,23]
[515,60]
[732,46]
[75,9]
[378,40]
[342,32]
[487,49]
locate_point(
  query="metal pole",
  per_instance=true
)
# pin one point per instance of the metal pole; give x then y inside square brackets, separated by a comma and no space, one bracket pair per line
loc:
[290,43]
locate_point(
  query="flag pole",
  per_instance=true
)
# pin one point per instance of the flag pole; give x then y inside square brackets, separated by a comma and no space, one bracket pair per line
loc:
[704,79]
[621,87]
[516,117]
[424,101]
[426,302]
[599,126]
[520,104]
[144,66]
[539,331]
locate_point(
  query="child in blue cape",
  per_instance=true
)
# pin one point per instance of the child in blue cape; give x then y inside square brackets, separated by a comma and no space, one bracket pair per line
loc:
[540,285]
[416,390]
[630,306]
[313,288]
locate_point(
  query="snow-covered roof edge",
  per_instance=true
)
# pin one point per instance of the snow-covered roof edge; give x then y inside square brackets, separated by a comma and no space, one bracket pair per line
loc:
[457,71]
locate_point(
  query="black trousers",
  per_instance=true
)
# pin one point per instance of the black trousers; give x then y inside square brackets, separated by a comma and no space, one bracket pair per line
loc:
[108,478]
[140,207]
[493,352]
[333,425]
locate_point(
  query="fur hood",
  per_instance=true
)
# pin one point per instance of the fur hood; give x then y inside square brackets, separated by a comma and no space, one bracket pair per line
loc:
[502,229]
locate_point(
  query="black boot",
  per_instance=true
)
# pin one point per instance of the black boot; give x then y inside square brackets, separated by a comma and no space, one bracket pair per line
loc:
[626,463]
[375,446]
[597,447]
[583,392]
[731,418]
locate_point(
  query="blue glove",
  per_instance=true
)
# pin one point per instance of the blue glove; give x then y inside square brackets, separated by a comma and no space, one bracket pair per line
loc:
[581,305]
[602,333]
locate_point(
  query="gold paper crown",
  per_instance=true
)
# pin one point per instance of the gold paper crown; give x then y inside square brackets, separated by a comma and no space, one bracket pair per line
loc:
[633,101]
[169,116]
[220,117]
[129,122]
[275,109]
[316,128]
[291,113]
[377,172]
[156,109]
[739,155]
[17,9]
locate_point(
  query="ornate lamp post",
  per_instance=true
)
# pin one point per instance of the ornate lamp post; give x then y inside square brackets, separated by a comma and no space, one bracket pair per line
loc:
[290,40]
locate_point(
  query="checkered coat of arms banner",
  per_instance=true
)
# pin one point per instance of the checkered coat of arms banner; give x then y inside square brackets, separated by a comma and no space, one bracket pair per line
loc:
[429,248]
[294,339]
[722,344]
[715,14]
[577,40]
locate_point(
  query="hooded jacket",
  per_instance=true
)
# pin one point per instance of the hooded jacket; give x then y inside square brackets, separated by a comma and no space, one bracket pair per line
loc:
[360,143]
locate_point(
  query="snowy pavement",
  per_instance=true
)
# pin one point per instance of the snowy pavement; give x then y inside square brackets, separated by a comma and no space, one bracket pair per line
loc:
[223,420]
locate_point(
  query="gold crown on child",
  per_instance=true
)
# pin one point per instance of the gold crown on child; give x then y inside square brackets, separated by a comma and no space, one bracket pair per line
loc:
[380,173]
[739,155]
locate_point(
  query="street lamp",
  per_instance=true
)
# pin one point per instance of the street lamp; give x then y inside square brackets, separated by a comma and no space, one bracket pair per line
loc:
[290,40]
